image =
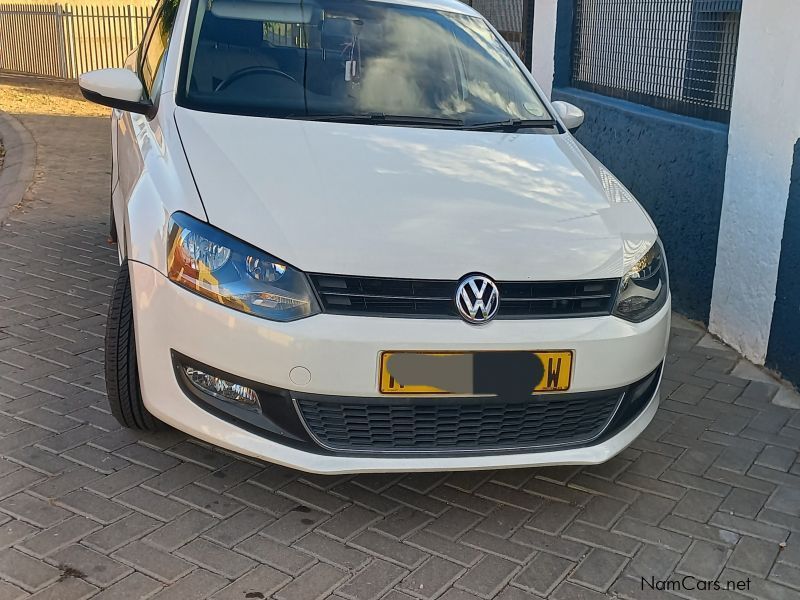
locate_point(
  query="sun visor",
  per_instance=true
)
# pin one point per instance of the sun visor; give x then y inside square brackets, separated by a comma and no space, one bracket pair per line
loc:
[277,12]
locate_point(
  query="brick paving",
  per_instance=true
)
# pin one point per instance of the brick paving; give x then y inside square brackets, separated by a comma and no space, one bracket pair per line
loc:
[711,490]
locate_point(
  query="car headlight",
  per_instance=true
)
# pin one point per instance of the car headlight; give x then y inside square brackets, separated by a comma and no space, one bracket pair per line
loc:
[216,265]
[645,287]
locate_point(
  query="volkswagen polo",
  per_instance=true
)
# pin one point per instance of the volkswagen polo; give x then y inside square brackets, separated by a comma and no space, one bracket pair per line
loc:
[355,236]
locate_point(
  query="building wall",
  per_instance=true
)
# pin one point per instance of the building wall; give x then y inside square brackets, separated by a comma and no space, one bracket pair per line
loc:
[783,352]
[674,165]
[765,125]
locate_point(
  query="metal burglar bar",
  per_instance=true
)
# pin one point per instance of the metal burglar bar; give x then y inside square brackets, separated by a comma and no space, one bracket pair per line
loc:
[60,41]
[675,55]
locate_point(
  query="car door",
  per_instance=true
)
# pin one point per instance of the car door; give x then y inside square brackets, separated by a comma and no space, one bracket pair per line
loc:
[136,135]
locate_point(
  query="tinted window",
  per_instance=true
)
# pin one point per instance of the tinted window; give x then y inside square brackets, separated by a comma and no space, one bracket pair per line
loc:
[155,45]
[306,58]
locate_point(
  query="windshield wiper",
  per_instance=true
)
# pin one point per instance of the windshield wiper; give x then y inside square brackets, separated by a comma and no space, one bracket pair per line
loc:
[512,125]
[384,119]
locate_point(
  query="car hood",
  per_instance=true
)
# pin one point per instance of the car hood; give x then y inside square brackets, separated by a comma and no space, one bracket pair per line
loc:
[411,202]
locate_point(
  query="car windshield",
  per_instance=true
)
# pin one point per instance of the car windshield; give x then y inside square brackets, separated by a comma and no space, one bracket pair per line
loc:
[352,59]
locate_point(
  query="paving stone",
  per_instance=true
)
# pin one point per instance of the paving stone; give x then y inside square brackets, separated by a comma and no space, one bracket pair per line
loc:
[602,511]
[197,585]
[697,505]
[651,534]
[61,535]
[653,561]
[404,555]
[175,478]
[41,460]
[12,592]
[216,558]
[332,551]
[13,532]
[748,527]
[650,508]
[599,569]
[466,500]
[704,560]
[754,556]
[487,577]
[258,498]
[261,582]
[96,459]
[66,589]
[293,525]
[496,545]
[150,504]
[147,457]
[134,587]
[715,535]
[95,568]
[557,545]
[348,523]
[315,583]
[785,499]
[24,571]
[442,547]
[312,497]
[93,506]
[34,511]
[180,530]
[240,526]
[18,481]
[453,523]
[372,581]
[601,538]
[121,532]
[122,480]
[155,563]
[431,578]
[402,522]
[744,503]
[774,457]
[553,517]
[543,573]
[503,521]
[283,558]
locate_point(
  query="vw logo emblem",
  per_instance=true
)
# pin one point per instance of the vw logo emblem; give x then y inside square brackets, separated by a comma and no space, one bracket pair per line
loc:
[477,299]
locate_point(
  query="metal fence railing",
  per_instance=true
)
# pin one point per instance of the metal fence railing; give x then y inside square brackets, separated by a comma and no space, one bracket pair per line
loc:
[676,55]
[63,41]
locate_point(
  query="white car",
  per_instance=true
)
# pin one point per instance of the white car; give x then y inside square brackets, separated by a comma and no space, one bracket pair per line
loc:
[354,236]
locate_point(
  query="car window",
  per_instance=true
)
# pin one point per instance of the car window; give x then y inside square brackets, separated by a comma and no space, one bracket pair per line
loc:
[155,44]
[306,58]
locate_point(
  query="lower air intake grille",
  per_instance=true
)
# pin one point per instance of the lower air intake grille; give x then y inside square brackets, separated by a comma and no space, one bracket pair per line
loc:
[441,424]
[428,298]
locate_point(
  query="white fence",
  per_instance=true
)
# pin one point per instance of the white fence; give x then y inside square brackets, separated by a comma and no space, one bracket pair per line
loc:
[63,41]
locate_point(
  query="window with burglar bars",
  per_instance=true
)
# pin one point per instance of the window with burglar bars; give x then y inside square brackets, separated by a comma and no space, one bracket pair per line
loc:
[675,55]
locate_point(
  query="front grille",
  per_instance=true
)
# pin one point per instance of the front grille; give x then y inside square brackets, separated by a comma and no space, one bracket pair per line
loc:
[428,298]
[442,424]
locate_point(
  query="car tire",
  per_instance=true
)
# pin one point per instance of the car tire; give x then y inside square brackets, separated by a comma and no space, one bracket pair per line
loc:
[122,368]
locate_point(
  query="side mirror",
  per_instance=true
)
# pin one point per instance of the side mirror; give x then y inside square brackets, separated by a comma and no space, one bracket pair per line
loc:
[571,115]
[117,88]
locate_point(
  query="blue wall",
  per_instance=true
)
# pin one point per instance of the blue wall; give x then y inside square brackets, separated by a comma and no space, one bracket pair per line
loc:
[783,353]
[674,165]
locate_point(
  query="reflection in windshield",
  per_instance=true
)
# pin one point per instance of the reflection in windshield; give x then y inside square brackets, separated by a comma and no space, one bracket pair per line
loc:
[351,57]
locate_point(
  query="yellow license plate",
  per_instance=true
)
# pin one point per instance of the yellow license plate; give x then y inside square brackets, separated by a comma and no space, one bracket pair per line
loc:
[475,373]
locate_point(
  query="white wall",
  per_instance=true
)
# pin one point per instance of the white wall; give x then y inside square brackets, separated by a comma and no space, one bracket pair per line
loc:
[765,124]
[544,39]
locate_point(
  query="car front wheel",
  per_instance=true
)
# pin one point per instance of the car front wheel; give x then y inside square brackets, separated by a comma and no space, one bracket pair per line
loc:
[122,369]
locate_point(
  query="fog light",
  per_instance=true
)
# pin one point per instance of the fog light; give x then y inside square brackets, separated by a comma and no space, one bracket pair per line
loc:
[224,390]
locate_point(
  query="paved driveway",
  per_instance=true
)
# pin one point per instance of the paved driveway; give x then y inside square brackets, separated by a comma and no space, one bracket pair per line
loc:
[711,490]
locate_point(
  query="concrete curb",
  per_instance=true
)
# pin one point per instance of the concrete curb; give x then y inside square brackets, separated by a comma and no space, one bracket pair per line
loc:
[18,165]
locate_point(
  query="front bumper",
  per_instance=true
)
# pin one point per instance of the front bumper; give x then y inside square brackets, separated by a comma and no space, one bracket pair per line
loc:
[341,354]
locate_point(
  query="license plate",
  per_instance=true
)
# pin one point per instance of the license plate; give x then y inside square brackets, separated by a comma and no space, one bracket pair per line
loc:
[475,373]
